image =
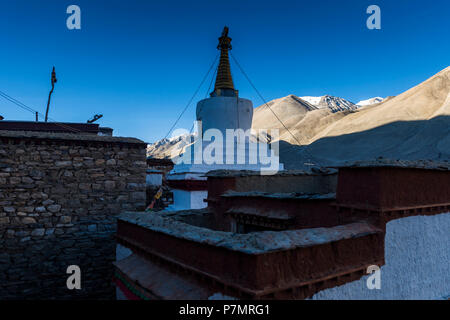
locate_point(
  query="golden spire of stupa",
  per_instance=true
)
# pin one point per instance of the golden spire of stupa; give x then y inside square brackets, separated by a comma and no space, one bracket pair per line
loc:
[224,82]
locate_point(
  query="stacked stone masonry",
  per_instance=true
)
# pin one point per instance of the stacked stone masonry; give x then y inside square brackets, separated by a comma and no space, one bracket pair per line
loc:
[59,196]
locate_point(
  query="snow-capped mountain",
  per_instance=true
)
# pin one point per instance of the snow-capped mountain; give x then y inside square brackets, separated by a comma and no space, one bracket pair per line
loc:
[310,113]
[370,101]
[338,136]
[166,148]
[335,104]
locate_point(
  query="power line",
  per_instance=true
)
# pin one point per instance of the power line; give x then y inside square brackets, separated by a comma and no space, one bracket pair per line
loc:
[267,105]
[16,102]
[206,95]
[27,108]
[192,98]
[212,80]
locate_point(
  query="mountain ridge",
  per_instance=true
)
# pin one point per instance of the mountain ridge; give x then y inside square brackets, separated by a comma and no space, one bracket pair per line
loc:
[414,124]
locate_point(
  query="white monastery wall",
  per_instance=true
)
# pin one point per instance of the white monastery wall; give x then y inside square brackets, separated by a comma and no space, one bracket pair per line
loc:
[417,256]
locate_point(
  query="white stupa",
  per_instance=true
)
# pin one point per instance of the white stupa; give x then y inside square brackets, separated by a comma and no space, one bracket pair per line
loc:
[223,140]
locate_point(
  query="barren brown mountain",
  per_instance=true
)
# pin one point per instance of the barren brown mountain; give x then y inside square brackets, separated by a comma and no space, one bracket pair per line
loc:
[412,125]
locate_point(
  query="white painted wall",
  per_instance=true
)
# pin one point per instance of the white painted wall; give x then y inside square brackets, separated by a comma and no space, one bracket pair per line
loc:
[220,113]
[197,198]
[122,252]
[185,200]
[225,113]
[417,254]
[154,179]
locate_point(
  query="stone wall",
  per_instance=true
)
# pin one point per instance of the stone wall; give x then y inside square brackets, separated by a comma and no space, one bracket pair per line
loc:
[59,194]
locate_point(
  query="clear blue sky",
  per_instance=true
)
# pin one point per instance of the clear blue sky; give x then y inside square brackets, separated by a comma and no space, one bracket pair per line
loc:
[138,62]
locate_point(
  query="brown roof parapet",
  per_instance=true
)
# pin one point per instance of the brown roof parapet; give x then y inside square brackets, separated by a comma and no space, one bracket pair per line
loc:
[405,164]
[290,196]
[251,243]
[284,173]
[69,138]
[67,127]
[405,187]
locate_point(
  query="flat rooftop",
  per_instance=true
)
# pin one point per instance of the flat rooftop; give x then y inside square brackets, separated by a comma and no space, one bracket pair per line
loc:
[62,136]
[406,164]
[285,196]
[91,128]
[284,173]
[250,243]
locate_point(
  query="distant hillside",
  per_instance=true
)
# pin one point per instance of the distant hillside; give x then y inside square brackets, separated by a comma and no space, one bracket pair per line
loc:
[165,148]
[330,130]
[303,119]
[296,113]
[413,125]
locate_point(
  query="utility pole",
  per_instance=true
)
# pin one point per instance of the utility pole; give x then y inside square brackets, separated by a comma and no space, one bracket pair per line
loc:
[54,80]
